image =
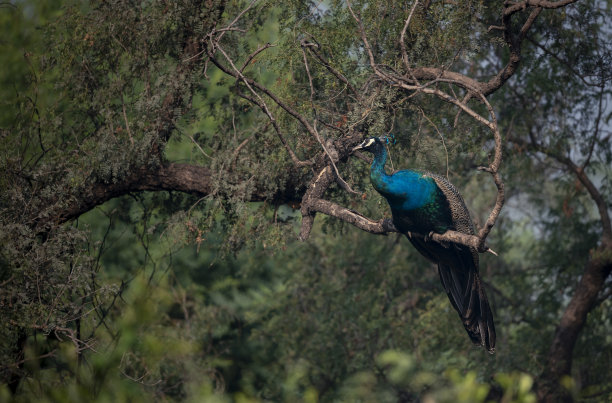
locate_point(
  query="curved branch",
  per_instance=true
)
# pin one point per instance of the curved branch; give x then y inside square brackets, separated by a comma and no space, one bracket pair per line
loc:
[514,44]
[521,5]
[598,199]
[572,322]
[186,178]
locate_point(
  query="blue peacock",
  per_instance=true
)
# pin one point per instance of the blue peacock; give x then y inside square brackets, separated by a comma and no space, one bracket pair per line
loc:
[422,203]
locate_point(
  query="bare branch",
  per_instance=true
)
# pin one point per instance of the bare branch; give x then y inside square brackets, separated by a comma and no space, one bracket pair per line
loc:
[448,98]
[127,125]
[313,48]
[521,5]
[403,34]
[380,227]
[251,84]
[366,44]
[254,54]
[235,20]
[197,145]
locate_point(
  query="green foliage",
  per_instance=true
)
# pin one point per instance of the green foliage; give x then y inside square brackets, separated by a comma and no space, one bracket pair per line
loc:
[172,297]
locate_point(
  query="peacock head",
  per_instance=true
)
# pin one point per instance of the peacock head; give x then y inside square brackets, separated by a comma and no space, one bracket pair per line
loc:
[373,143]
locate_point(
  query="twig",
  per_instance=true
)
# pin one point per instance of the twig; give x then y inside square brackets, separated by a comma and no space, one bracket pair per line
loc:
[296,161]
[254,54]
[403,34]
[366,44]
[199,148]
[235,20]
[313,48]
[127,125]
[441,136]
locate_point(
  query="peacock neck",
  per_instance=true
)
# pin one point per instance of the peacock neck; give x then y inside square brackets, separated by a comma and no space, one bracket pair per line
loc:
[377,170]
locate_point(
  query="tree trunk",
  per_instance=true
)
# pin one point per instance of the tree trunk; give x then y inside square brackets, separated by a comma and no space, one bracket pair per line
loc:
[572,322]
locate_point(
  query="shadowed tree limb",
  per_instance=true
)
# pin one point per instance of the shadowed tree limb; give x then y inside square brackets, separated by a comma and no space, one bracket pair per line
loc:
[584,298]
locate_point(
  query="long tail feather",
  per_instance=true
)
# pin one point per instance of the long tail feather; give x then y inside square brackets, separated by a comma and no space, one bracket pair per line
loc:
[458,270]
[476,313]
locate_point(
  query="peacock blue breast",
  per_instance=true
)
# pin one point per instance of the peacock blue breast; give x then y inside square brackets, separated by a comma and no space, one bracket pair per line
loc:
[416,202]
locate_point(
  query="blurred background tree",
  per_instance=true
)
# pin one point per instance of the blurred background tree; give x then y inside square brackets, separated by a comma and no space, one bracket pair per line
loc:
[160,161]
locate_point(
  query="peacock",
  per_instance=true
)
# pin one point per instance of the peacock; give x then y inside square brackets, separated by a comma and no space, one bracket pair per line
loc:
[425,203]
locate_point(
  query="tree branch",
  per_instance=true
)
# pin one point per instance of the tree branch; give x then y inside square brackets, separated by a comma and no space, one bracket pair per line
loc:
[385,226]
[596,271]
[313,48]
[572,322]
[403,35]
[316,188]
[598,199]
[191,179]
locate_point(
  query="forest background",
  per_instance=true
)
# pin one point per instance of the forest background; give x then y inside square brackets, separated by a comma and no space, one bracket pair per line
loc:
[178,205]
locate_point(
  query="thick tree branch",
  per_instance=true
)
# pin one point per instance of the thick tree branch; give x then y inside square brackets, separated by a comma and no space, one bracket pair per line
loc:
[572,322]
[191,179]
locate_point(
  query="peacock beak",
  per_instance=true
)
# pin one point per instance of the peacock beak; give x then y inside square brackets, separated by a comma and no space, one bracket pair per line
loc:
[364,144]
